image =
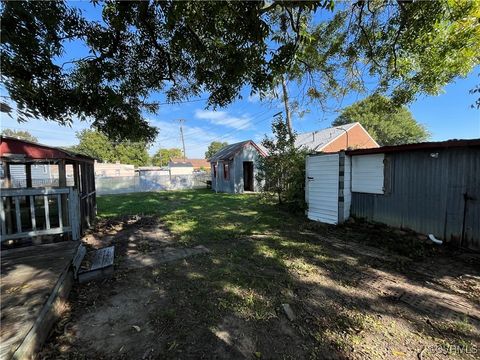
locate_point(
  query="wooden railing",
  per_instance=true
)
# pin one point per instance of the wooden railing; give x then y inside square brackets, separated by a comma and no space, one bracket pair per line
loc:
[67,208]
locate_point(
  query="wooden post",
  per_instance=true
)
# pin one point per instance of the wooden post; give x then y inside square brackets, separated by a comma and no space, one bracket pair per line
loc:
[94,196]
[62,176]
[8,200]
[29,199]
[28,174]
[83,196]
[62,183]
[76,177]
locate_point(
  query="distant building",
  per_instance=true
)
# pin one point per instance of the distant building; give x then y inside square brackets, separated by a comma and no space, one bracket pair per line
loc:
[198,164]
[41,175]
[333,139]
[113,169]
[181,167]
[234,167]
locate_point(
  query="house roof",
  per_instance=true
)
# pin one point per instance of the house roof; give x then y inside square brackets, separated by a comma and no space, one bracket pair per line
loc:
[316,140]
[229,151]
[184,163]
[150,168]
[418,146]
[16,150]
[196,163]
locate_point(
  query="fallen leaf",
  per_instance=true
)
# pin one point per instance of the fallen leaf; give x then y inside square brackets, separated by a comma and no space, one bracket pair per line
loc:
[136,328]
[398,353]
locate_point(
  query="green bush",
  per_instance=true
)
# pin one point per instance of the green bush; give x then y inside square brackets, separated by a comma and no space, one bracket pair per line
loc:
[282,172]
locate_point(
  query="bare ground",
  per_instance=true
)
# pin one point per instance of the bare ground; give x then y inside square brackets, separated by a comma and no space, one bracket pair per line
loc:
[350,300]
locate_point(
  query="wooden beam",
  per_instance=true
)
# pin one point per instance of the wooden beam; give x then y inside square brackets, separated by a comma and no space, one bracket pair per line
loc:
[47,212]
[34,191]
[8,201]
[2,218]
[18,213]
[62,174]
[32,212]
[62,200]
[52,231]
[76,176]
[28,174]
[6,172]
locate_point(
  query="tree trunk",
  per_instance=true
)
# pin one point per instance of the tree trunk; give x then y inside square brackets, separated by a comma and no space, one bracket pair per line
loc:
[288,118]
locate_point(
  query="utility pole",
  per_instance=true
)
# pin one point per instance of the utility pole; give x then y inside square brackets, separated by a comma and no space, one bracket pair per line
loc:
[288,116]
[181,121]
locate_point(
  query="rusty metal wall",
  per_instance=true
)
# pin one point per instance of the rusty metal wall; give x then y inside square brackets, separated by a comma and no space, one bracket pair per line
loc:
[426,193]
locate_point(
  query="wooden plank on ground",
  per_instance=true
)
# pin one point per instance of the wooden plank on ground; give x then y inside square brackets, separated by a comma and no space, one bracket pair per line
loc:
[101,265]
[77,260]
[103,258]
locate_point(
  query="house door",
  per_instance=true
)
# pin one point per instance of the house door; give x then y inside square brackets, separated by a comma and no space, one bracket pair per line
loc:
[248,176]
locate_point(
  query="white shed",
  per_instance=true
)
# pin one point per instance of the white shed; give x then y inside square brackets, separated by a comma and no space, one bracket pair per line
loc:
[329,185]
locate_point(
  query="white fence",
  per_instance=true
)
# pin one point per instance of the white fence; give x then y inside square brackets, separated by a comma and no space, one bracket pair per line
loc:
[149,182]
[33,212]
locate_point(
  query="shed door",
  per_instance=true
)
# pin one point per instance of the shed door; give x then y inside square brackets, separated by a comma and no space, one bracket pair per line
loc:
[322,188]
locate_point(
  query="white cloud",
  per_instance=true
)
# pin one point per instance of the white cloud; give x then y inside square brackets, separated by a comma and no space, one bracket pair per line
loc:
[197,139]
[224,119]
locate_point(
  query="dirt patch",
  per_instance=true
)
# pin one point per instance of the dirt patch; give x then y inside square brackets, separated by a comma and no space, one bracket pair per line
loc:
[347,301]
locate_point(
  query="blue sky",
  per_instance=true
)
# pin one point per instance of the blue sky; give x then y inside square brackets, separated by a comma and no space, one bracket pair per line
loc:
[446,116]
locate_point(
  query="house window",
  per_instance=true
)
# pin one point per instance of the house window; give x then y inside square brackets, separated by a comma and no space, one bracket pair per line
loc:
[226,171]
[214,170]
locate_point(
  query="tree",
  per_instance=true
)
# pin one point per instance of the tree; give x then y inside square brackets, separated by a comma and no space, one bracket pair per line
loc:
[404,48]
[19,134]
[97,145]
[213,148]
[184,48]
[163,156]
[180,48]
[282,172]
[387,123]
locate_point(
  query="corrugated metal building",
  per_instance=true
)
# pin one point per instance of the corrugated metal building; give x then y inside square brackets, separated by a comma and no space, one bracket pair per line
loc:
[432,188]
[234,168]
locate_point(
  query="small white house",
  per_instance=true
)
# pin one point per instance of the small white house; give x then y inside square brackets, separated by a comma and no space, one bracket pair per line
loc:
[180,167]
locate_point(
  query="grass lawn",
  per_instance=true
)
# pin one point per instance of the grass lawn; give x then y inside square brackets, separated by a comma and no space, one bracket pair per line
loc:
[228,303]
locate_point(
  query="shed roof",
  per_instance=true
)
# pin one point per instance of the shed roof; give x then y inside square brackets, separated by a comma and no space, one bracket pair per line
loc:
[316,140]
[16,150]
[454,143]
[229,151]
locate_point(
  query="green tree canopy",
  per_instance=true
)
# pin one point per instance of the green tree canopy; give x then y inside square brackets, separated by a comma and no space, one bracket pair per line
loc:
[403,48]
[214,147]
[163,156]
[97,145]
[387,123]
[185,48]
[19,134]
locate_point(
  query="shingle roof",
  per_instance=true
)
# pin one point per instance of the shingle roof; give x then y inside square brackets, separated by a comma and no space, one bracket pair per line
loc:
[196,163]
[316,140]
[183,163]
[229,151]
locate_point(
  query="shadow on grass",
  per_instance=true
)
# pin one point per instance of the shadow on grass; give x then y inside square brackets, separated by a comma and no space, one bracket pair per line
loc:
[227,304]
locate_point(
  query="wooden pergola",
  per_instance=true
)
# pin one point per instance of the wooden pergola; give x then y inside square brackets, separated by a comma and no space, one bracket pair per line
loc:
[75,205]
